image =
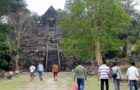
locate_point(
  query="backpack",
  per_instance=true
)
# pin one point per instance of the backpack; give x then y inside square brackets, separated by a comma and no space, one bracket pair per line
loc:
[114,75]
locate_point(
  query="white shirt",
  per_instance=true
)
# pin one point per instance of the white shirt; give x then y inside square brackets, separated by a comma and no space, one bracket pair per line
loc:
[103,70]
[117,70]
[32,68]
[132,73]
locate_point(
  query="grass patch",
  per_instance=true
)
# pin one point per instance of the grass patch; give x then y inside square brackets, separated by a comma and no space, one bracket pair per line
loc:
[64,79]
[93,84]
[16,83]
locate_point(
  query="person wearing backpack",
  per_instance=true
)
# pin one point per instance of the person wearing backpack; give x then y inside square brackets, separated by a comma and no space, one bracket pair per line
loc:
[116,76]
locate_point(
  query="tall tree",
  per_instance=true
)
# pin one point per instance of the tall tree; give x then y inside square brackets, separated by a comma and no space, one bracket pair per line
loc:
[131,33]
[20,21]
[93,25]
[4,31]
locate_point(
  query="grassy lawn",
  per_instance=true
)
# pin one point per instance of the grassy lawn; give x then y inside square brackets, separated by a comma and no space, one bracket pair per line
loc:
[15,83]
[92,83]
[65,78]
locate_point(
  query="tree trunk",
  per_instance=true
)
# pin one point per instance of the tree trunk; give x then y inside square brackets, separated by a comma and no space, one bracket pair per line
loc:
[127,49]
[17,62]
[97,43]
[98,52]
[17,55]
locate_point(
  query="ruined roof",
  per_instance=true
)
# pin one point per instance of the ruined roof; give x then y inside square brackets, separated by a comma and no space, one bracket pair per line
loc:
[51,9]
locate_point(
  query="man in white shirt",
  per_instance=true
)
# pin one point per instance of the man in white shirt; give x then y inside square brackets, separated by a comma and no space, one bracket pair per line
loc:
[32,70]
[132,74]
[104,75]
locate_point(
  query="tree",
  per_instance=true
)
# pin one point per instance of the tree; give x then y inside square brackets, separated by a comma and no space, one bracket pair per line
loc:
[4,60]
[20,21]
[5,6]
[130,35]
[93,25]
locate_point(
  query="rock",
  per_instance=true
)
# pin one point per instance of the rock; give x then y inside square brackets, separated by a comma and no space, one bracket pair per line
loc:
[2,73]
[10,74]
[17,72]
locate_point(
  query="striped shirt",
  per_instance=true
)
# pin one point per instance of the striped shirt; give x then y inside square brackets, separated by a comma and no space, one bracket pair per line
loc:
[104,71]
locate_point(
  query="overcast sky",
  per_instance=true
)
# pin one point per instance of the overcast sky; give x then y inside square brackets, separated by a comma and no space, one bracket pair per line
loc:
[41,6]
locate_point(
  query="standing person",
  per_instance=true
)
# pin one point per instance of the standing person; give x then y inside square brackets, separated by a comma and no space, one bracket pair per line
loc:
[32,71]
[80,75]
[40,70]
[103,75]
[116,76]
[55,70]
[132,74]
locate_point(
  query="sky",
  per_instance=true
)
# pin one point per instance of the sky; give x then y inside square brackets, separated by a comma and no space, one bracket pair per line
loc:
[41,6]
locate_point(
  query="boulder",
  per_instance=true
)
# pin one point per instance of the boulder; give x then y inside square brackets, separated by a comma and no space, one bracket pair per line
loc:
[10,74]
[2,73]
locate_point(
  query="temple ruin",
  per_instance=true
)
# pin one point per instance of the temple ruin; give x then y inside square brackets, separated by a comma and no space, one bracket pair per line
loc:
[43,41]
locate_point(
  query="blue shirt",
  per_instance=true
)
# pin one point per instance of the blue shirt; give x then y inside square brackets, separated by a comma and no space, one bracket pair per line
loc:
[40,67]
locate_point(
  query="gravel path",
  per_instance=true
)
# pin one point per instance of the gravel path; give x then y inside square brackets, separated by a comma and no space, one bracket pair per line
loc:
[48,83]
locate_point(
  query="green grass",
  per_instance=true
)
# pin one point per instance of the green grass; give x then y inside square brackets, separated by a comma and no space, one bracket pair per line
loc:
[16,83]
[21,82]
[93,84]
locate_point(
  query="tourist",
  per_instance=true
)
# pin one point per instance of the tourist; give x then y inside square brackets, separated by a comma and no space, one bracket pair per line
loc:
[80,75]
[116,76]
[55,70]
[132,74]
[32,71]
[104,75]
[40,70]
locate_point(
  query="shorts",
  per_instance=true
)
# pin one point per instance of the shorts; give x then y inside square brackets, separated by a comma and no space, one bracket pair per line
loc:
[55,74]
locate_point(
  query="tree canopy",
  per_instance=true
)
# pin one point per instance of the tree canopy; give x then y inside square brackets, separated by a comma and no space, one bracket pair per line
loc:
[90,20]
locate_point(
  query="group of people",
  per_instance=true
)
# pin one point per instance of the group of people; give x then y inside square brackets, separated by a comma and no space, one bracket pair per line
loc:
[40,70]
[105,73]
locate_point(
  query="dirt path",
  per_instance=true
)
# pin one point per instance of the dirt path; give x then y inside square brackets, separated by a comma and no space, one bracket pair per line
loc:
[48,83]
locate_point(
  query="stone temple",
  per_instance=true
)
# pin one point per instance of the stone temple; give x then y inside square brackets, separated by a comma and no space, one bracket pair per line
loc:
[43,41]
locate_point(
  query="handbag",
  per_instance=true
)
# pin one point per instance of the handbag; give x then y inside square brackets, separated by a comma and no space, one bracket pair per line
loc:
[74,86]
[114,75]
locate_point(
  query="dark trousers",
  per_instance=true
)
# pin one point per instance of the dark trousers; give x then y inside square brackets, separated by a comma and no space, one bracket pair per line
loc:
[102,84]
[80,82]
[133,82]
[116,84]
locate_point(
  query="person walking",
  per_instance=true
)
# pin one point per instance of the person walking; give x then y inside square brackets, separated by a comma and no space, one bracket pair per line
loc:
[104,75]
[132,75]
[55,71]
[116,76]
[80,75]
[32,71]
[40,70]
